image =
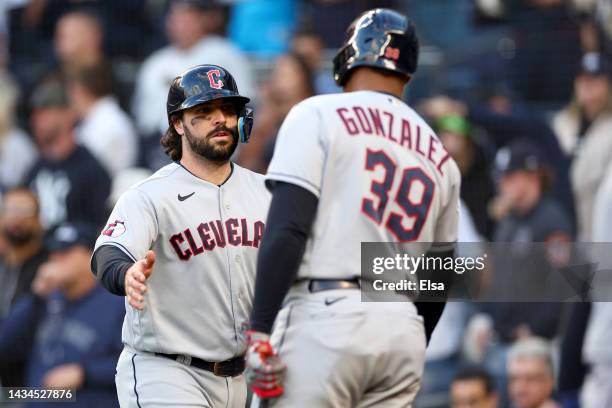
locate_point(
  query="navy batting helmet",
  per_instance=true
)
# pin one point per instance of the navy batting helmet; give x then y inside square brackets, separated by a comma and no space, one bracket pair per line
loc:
[204,83]
[378,38]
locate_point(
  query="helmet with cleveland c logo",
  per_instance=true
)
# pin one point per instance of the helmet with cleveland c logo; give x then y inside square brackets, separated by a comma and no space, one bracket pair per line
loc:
[204,83]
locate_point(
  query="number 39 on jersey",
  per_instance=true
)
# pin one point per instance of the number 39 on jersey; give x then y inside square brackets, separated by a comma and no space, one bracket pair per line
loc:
[413,196]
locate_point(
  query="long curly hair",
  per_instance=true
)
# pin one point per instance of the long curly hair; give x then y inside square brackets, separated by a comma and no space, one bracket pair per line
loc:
[171,141]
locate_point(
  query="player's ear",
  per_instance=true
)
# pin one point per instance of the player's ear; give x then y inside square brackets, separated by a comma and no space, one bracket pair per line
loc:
[177,123]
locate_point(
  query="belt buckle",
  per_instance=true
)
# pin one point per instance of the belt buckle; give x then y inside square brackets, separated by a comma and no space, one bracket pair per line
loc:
[219,371]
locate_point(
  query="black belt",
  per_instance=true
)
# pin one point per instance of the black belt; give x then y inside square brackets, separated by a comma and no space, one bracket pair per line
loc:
[227,368]
[318,285]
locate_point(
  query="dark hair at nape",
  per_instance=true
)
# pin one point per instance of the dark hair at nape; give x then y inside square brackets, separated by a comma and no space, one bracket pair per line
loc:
[468,373]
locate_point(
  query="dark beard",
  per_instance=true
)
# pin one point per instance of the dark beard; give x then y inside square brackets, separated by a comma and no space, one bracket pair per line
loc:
[203,147]
[19,239]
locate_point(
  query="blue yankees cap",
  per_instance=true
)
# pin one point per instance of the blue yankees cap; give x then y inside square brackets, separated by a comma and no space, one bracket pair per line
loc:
[68,235]
[520,155]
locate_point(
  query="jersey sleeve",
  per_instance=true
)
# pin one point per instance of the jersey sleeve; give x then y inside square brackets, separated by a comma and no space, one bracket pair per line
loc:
[132,225]
[300,151]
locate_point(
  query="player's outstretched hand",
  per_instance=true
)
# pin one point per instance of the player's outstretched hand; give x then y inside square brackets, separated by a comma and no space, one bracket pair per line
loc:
[136,278]
[264,370]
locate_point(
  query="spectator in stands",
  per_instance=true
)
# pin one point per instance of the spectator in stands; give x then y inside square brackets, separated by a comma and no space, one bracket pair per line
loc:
[70,329]
[590,37]
[125,22]
[530,373]
[17,152]
[523,273]
[104,128]
[22,234]
[290,82]
[68,180]
[89,34]
[189,27]
[473,387]
[309,45]
[583,129]
[55,36]
[466,148]
[78,41]
[22,231]
[526,213]
[595,17]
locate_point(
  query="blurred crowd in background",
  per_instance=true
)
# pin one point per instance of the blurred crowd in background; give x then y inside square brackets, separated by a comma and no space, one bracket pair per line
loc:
[518,91]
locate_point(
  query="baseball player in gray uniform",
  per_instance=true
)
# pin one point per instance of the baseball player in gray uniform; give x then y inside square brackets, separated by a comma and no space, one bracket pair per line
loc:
[181,246]
[349,168]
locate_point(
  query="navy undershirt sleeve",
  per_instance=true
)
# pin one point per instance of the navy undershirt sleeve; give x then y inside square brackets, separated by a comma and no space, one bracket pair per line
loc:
[110,264]
[431,308]
[290,220]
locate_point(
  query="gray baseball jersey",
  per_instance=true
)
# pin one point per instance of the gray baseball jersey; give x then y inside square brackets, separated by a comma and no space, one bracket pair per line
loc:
[380,174]
[206,239]
[379,171]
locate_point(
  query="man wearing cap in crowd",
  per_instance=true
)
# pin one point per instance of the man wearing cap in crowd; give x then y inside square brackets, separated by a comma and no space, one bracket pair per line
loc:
[584,130]
[525,210]
[70,328]
[524,272]
[66,173]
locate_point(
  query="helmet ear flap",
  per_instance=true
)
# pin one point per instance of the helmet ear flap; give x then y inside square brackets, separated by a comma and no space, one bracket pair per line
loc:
[245,125]
[340,62]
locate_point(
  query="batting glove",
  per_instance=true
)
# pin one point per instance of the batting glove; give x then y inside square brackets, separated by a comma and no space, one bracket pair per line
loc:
[264,370]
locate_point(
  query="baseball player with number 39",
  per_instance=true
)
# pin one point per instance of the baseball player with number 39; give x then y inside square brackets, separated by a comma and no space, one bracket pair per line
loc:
[355,167]
[181,246]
